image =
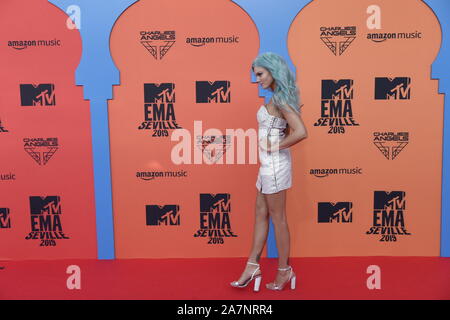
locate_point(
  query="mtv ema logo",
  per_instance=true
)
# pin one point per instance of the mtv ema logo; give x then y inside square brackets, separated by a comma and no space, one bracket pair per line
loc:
[46,220]
[213,147]
[157,43]
[5,221]
[41,149]
[336,105]
[215,221]
[166,215]
[330,212]
[213,92]
[37,95]
[393,88]
[159,110]
[389,215]
[390,143]
[2,128]
[338,39]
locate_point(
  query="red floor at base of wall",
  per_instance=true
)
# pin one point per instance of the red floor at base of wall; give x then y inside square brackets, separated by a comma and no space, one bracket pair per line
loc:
[208,279]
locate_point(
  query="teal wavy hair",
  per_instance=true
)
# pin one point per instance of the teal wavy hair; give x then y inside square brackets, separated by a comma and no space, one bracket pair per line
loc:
[286,92]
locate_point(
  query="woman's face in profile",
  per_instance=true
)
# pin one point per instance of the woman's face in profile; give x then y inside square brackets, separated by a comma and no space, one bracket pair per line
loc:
[263,77]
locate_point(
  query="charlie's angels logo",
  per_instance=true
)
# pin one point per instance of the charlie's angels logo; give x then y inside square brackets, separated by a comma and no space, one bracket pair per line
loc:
[338,39]
[213,91]
[213,147]
[157,43]
[215,220]
[5,221]
[336,105]
[393,88]
[390,143]
[389,215]
[2,128]
[46,220]
[159,111]
[37,95]
[330,212]
[41,149]
[167,215]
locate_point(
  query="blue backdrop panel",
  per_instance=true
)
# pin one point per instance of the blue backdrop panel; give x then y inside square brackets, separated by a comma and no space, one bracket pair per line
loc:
[273,19]
[97,74]
[440,70]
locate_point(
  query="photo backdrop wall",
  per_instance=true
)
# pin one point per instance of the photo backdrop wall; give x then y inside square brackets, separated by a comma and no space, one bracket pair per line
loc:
[149,163]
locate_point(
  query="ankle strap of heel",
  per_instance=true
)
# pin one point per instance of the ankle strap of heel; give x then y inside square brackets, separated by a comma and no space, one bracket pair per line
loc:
[285,269]
[253,264]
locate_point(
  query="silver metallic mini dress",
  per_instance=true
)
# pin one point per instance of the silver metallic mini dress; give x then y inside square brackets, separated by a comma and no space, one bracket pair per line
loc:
[275,172]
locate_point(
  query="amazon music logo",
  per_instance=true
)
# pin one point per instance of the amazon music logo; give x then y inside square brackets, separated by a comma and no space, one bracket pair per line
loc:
[167,215]
[203,41]
[37,95]
[335,212]
[326,172]
[389,209]
[152,175]
[393,88]
[24,44]
[212,91]
[5,219]
[41,149]
[390,144]
[45,221]
[378,37]
[157,43]
[374,22]
[7,176]
[215,220]
[338,39]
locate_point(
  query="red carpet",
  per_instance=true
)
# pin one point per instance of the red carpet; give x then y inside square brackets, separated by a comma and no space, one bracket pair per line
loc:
[208,279]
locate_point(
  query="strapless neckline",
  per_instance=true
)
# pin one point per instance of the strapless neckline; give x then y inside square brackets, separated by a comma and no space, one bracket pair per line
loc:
[267,111]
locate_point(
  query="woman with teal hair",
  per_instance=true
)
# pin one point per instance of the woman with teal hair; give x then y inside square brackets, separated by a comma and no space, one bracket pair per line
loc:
[275,173]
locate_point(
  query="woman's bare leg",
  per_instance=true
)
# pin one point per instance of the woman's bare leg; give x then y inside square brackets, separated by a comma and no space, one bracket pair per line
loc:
[276,204]
[260,231]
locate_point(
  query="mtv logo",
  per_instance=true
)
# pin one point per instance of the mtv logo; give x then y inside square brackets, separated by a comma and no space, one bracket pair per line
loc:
[215,92]
[335,212]
[45,205]
[5,221]
[337,89]
[393,88]
[394,200]
[37,95]
[167,215]
[159,93]
[215,202]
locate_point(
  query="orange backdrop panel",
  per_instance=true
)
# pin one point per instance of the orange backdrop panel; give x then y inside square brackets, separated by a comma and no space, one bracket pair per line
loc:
[49,56]
[152,46]
[415,171]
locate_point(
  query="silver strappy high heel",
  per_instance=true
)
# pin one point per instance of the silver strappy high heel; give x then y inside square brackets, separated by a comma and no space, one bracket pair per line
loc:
[254,276]
[292,278]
